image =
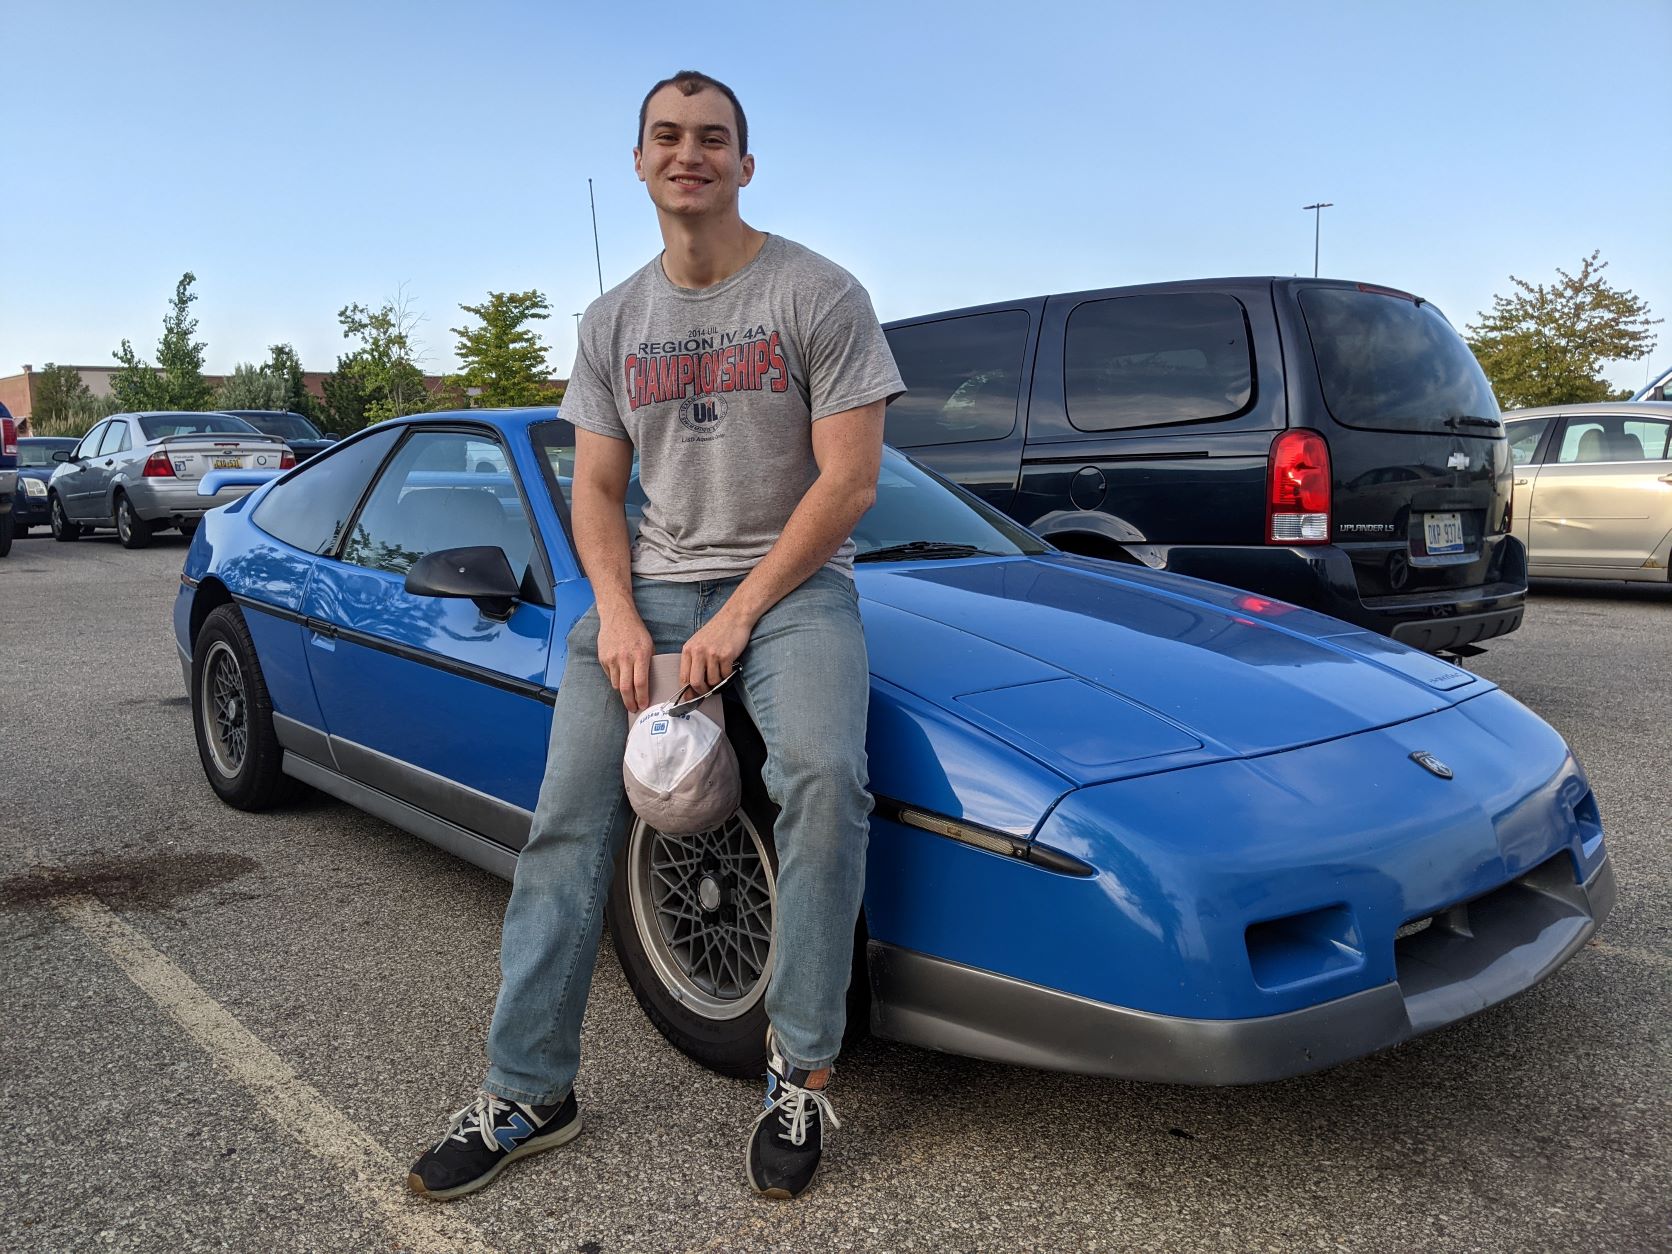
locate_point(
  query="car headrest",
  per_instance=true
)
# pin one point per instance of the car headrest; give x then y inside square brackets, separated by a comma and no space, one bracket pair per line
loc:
[1627,447]
[1592,447]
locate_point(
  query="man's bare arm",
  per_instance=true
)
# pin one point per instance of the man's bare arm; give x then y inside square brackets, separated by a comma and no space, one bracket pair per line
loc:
[603,467]
[848,449]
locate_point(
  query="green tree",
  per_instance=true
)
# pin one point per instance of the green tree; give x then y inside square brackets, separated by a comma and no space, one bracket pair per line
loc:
[251,387]
[504,356]
[177,381]
[380,378]
[56,392]
[286,366]
[1546,344]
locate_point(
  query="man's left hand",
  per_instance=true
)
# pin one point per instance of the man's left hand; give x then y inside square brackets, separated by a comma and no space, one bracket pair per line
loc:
[711,654]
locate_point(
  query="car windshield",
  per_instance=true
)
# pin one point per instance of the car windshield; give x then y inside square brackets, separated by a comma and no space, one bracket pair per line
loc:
[38,452]
[289,426]
[156,426]
[917,515]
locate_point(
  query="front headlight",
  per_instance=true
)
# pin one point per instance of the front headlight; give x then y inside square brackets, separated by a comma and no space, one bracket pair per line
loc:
[34,487]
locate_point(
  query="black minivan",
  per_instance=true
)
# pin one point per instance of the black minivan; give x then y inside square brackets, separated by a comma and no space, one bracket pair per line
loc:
[1327,443]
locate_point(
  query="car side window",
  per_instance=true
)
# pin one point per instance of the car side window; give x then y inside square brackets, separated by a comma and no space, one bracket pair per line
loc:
[441,490]
[1142,361]
[310,509]
[963,377]
[90,442]
[1644,438]
[115,439]
[1524,438]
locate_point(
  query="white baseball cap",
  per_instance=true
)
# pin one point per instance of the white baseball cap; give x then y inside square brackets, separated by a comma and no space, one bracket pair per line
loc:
[680,770]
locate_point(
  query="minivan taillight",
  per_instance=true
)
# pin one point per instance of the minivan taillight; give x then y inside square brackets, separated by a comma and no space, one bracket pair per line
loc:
[157,466]
[1298,489]
[8,438]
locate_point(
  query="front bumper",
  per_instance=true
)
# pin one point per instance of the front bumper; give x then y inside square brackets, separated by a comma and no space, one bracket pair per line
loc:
[1470,957]
[1323,578]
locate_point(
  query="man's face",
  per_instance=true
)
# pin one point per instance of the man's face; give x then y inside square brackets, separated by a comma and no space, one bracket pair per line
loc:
[688,155]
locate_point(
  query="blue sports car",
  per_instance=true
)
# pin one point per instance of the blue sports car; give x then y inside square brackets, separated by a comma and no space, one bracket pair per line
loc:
[1127,823]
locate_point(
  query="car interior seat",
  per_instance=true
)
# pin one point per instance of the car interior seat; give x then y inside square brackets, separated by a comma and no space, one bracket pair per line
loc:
[1627,447]
[1592,447]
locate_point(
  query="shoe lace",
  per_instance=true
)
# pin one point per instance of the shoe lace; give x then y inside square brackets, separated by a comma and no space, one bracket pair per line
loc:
[794,1106]
[476,1119]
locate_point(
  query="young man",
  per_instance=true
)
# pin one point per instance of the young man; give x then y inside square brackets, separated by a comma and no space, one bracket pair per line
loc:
[759,447]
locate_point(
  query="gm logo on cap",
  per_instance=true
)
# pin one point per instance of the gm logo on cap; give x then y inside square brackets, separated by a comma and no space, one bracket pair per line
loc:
[659,727]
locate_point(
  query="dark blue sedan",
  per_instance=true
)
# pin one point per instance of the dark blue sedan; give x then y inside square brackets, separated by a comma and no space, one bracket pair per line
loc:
[34,468]
[1127,823]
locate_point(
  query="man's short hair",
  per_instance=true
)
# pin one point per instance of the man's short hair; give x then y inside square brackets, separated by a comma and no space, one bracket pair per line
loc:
[690,82]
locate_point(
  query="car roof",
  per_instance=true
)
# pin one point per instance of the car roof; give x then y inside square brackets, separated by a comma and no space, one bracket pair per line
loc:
[1653,409]
[513,419]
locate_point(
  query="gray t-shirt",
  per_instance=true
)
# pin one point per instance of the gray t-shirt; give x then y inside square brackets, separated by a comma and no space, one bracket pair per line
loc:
[718,389]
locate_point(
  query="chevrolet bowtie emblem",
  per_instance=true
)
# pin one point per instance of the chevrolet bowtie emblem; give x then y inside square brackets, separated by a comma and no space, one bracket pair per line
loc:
[1458,461]
[1428,762]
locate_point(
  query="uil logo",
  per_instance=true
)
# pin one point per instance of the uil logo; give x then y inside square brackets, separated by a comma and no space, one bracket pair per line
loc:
[702,414]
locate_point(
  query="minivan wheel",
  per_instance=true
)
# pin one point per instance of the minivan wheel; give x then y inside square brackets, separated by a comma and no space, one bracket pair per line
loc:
[691,919]
[134,531]
[232,715]
[62,527]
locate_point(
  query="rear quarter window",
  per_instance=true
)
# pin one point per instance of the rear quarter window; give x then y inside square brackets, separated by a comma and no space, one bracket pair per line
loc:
[1144,361]
[310,509]
[1390,363]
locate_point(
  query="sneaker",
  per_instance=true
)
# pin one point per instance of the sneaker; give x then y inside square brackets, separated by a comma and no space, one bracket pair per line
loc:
[485,1137]
[788,1135]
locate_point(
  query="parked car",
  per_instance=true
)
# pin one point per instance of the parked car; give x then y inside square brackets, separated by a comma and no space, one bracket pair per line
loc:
[8,477]
[34,467]
[1128,823]
[1657,389]
[140,473]
[1333,444]
[1593,489]
[302,436]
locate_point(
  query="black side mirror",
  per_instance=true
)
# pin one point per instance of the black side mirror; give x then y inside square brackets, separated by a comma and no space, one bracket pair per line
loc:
[63,455]
[482,573]
[332,435]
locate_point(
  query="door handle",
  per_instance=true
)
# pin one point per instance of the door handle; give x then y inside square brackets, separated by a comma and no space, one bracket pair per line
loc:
[1521,483]
[1666,478]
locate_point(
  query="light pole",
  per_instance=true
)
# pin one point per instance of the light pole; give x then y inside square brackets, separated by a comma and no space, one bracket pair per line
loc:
[596,255]
[1317,220]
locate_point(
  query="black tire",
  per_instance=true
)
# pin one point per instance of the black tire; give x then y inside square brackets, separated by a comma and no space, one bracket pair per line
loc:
[699,1019]
[232,715]
[19,532]
[134,531]
[59,521]
[8,525]
[188,528]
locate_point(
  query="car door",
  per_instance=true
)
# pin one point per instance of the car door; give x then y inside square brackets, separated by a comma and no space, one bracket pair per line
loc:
[72,486]
[118,439]
[1526,439]
[1601,502]
[429,699]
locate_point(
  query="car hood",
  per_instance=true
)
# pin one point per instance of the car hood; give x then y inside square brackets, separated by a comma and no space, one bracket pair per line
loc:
[1101,672]
[43,473]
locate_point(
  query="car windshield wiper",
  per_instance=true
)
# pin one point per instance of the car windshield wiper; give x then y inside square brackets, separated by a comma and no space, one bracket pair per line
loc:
[1471,420]
[921,550]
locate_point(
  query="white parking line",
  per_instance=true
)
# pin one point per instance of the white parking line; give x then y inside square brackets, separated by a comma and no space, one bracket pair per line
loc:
[372,1177]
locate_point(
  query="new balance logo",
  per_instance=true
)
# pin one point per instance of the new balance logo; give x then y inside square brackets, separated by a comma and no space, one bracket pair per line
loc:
[515,1131]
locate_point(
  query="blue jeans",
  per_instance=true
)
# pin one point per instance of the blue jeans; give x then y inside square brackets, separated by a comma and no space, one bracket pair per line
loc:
[805,683]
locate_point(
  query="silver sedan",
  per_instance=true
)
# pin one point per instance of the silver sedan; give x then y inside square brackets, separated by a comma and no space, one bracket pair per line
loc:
[140,473]
[1593,489]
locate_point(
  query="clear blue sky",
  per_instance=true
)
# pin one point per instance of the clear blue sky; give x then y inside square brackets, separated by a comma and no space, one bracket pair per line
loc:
[301,156]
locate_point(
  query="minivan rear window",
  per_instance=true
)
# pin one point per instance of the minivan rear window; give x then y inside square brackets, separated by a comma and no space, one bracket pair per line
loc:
[1391,363]
[962,376]
[1144,361]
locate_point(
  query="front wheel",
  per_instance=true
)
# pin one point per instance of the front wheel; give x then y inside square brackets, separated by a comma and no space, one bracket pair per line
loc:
[233,715]
[691,918]
[134,531]
[7,524]
[59,521]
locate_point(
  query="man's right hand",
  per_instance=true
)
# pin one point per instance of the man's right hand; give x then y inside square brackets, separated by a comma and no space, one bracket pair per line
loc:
[624,649]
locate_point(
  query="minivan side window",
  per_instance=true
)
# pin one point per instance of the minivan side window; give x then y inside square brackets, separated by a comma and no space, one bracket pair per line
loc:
[1144,361]
[963,377]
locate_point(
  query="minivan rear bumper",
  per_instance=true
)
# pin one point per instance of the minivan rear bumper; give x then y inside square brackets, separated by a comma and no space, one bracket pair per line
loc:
[1321,577]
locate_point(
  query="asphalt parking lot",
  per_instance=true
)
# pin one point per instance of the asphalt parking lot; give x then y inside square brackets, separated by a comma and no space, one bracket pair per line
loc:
[233,1031]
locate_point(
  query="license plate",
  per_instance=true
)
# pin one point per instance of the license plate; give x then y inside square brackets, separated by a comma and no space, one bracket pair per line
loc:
[1443,532]
[233,463]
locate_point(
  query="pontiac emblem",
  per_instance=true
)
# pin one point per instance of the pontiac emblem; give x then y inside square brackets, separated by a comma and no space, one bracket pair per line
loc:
[1428,762]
